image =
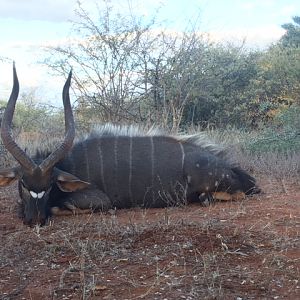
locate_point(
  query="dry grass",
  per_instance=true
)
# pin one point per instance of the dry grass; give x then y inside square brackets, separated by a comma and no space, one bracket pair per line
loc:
[233,250]
[177,253]
[273,164]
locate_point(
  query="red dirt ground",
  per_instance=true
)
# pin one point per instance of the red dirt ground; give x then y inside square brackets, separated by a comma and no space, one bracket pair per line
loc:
[229,250]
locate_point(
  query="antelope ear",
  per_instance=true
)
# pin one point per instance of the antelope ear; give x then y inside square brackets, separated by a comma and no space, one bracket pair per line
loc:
[8,176]
[68,182]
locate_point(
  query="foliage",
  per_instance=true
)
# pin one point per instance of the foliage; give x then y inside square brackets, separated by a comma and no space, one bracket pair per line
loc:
[282,137]
[275,141]
[109,58]
[292,36]
[126,71]
[280,75]
[32,116]
[220,95]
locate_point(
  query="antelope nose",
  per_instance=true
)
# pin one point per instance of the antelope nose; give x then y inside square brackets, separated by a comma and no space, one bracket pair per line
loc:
[28,222]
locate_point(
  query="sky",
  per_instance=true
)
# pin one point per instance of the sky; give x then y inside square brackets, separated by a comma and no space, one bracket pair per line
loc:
[28,25]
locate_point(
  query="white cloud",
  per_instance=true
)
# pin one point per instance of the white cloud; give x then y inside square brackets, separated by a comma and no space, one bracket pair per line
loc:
[248,5]
[46,10]
[32,77]
[288,11]
[256,37]
[142,7]
[251,5]
[259,37]
[64,10]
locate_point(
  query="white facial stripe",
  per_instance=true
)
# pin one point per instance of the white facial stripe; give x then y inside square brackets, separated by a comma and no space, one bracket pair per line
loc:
[37,195]
[41,194]
[33,194]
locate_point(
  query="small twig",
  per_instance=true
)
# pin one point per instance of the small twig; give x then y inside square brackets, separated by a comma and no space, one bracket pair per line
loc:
[237,251]
[284,186]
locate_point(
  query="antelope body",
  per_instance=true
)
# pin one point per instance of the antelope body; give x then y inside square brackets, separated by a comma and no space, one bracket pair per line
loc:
[117,167]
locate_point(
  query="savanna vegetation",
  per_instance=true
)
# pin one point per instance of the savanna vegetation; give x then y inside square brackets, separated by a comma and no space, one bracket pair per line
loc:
[126,71]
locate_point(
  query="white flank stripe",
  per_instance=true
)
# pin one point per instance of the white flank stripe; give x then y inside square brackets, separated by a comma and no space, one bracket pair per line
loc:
[130,169]
[183,156]
[152,160]
[101,165]
[84,146]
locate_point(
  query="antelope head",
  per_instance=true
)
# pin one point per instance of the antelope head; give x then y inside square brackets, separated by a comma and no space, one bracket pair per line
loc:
[36,180]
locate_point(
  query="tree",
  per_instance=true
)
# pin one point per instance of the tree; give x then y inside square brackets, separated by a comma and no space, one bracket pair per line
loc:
[291,38]
[209,82]
[278,80]
[111,59]
[125,71]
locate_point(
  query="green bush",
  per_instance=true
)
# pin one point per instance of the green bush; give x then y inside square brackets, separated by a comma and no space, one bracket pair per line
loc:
[283,136]
[272,141]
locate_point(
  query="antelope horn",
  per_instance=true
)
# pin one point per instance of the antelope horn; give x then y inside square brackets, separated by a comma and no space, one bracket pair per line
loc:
[66,145]
[20,155]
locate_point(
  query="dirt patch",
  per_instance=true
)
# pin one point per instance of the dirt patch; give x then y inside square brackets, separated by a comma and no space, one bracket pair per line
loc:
[230,250]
